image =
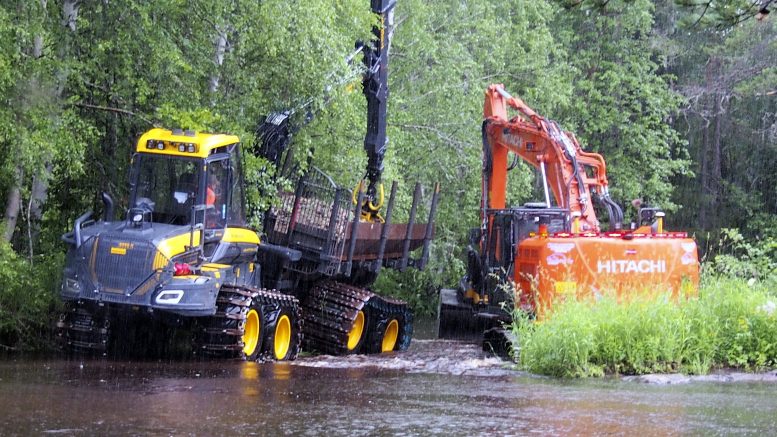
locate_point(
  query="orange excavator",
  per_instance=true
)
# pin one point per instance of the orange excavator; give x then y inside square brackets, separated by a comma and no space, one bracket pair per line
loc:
[529,256]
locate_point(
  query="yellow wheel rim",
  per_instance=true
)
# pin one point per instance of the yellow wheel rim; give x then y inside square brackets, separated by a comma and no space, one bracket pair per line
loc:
[356,331]
[390,336]
[282,337]
[251,335]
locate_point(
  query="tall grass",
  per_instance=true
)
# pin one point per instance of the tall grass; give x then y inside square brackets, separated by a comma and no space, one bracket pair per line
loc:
[732,323]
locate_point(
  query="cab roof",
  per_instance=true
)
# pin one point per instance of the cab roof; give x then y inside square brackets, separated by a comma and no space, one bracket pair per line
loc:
[179,142]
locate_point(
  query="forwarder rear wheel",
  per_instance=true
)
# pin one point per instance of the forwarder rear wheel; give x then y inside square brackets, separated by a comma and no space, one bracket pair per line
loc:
[392,331]
[390,335]
[356,334]
[282,338]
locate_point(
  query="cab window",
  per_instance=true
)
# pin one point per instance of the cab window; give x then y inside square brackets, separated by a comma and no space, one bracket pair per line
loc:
[217,194]
[166,187]
[237,215]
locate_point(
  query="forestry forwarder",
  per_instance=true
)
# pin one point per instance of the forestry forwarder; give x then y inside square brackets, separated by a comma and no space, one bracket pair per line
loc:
[185,257]
[530,255]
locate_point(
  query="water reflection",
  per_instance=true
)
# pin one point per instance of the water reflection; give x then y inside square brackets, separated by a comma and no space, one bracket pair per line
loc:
[424,391]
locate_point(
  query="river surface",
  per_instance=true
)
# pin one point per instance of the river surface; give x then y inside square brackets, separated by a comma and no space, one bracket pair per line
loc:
[436,387]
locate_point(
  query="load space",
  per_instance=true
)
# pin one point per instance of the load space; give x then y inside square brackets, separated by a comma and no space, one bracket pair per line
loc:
[526,257]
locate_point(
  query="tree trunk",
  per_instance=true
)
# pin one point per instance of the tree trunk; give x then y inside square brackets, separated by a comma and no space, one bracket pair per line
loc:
[70,13]
[716,175]
[218,58]
[704,185]
[40,182]
[12,206]
[38,197]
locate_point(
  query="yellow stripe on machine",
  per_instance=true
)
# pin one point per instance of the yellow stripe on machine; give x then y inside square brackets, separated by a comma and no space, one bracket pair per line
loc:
[118,251]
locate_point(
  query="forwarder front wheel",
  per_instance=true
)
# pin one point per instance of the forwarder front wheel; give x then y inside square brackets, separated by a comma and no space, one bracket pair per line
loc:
[252,336]
[283,336]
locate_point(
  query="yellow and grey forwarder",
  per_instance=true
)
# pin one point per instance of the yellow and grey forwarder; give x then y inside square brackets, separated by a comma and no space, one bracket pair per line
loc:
[184,255]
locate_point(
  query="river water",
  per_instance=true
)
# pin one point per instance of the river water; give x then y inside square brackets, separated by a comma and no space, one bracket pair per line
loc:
[436,387]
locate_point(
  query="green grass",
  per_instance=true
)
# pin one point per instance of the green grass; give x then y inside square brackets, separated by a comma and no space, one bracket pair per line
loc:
[732,323]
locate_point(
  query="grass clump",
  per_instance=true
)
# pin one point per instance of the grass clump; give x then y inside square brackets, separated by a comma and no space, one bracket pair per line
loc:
[732,323]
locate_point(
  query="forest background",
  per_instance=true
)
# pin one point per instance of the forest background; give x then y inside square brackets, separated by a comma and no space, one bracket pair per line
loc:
[679,96]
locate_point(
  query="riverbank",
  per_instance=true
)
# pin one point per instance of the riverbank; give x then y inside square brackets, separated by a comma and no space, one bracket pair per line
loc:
[731,324]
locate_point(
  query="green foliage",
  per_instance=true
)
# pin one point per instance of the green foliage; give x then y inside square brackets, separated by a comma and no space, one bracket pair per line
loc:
[736,257]
[730,324]
[623,102]
[27,299]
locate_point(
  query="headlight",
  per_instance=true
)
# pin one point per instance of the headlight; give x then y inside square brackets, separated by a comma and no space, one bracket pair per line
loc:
[169,297]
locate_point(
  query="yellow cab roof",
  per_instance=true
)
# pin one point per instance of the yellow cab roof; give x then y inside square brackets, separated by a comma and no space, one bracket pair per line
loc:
[203,143]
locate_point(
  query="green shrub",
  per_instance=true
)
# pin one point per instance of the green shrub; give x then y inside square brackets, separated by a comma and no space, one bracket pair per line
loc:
[27,299]
[731,324]
[737,257]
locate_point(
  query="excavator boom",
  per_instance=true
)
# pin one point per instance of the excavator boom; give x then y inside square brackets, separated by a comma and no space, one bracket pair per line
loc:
[571,174]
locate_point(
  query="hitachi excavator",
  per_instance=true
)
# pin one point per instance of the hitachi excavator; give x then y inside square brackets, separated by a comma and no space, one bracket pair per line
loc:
[529,256]
[184,256]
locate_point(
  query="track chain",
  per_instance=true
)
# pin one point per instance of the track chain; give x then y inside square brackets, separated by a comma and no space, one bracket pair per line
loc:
[80,330]
[330,309]
[221,335]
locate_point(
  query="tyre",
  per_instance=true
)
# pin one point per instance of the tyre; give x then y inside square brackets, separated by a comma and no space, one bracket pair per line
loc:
[392,332]
[282,333]
[357,336]
[253,333]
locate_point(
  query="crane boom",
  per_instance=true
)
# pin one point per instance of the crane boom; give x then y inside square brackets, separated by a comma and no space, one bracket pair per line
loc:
[375,87]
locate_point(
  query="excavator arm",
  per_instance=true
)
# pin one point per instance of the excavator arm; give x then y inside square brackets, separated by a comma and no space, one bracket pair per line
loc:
[571,174]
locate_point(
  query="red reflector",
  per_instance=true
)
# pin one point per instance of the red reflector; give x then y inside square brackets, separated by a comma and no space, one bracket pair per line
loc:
[182,269]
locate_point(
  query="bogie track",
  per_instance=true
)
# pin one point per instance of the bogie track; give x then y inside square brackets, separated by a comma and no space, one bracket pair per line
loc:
[332,308]
[81,330]
[274,325]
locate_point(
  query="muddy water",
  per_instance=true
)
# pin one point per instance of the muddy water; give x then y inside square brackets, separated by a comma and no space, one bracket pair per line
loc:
[437,387]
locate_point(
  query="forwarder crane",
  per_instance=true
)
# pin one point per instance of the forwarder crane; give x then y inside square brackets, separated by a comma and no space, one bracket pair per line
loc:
[185,257]
[526,257]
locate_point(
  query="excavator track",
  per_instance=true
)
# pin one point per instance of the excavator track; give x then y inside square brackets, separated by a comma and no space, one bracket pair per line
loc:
[221,335]
[80,330]
[331,309]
